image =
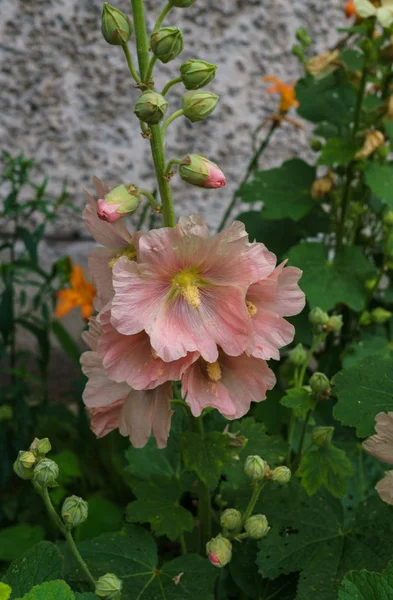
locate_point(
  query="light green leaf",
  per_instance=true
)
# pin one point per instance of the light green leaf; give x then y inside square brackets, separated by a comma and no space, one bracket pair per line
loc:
[328,283]
[300,400]
[326,466]
[337,151]
[388,124]
[379,177]
[159,504]
[285,191]
[363,391]
[326,99]
[41,563]
[363,585]
[17,539]
[5,591]
[51,590]
[206,455]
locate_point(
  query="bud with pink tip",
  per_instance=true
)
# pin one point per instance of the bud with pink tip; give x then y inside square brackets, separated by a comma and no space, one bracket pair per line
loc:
[219,551]
[198,170]
[121,201]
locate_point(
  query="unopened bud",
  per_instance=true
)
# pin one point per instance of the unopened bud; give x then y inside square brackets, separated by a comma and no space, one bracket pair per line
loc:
[40,447]
[297,355]
[199,105]
[109,587]
[319,383]
[231,520]
[380,315]
[255,468]
[257,527]
[123,200]
[197,73]
[116,27]
[6,412]
[365,319]
[321,187]
[199,170]
[150,107]
[282,475]
[373,140]
[316,145]
[370,284]
[335,323]
[74,511]
[20,470]
[219,551]
[388,219]
[167,43]
[182,3]
[318,316]
[322,436]
[303,36]
[27,459]
[46,473]
[322,65]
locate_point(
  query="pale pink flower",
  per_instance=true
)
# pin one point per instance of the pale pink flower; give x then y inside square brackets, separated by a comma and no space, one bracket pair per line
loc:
[380,446]
[187,290]
[229,384]
[116,240]
[268,301]
[108,212]
[385,487]
[137,414]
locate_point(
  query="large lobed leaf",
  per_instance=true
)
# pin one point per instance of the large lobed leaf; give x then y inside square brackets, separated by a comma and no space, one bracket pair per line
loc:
[363,585]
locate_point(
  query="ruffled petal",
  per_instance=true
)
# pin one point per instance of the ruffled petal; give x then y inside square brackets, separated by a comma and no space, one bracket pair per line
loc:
[106,419]
[280,292]
[385,487]
[270,333]
[101,272]
[381,445]
[92,334]
[99,390]
[194,225]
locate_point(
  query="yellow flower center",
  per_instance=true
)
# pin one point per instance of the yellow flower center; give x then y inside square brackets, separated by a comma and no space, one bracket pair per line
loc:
[186,283]
[129,253]
[214,371]
[154,354]
[252,309]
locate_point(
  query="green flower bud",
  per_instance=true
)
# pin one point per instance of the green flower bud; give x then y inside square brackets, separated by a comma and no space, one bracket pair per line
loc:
[365,319]
[371,283]
[40,447]
[388,218]
[198,170]
[199,105]
[380,315]
[167,43]
[20,470]
[231,520]
[27,459]
[257,527]
[282,475]
[319,383]
[335,323]
[151,107]
[5,591]
[121,201]
[383,151]
[182,3]
[197,73]
[46,473]
[255,468]
[318,316]
[74,511]
[109,587]
[303,37]
[298,355]
[316,145]
[219,551]
[116,27]
[321,436]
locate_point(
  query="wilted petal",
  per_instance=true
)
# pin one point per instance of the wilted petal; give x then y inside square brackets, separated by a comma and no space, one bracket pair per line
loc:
[385,487]
[106,419]
[381,445]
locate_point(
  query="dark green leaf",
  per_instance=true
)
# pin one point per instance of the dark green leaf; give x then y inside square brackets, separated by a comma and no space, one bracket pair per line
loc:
[368,345]
[337,151]
[51,590]
[325,100]
[300,400]
[68,344]
[271,232]
[326,466]
[353,59]
[206,455]
[69,466]
[30,243]
[17,539]
[104,517]
[363,585]
[7,310]
[379,177]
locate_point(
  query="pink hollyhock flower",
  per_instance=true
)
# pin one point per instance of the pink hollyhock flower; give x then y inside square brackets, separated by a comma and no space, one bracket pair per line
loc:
[187,290]
[380,446]
[268,301]
[115,238]
[229,384]
[131,359]
[137,414]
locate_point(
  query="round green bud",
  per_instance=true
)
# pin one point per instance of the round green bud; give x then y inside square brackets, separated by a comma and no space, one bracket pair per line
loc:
[27,459]
[115,26]
[318,316]
[303,37]
[198,170]
[40,447]
[380,315]
[20,470]
[74,511]
[255,468]
[109,587]
[321,436]
[316,145]
[388,218]
[335,323]
[231,520]
[383,151]
[197,73]
[365,319]
[282,475]
[182,3]
[257,527]
[319,383]
[219,551]
[167,43]
[199,105]
[371,283]
[46,473]
[151,107]
[297,355]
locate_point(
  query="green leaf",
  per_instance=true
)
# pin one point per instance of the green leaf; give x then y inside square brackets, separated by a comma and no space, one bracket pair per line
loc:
[244,570]
[158,503]
[17,539]
[29,241]
[337,151]
[299,400]
[353,59]
[66,341]
[132,555]
[41,563]
[271,232]
[363,391]
[326,99]
[86,596]
[368,345]
[69,466]
[328,283]
[285,191]
[5,591]
[104,517]
[51,590]
[363,585]
[388,124]
[379,177]
[325,466]
[206,455]
[7,309]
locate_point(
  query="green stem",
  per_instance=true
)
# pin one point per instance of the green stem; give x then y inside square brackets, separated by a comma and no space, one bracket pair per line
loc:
[149,74]
[291,431]
[253,164]
[171,83]
[162,16]
[77,555]
[170,119]
[172,162]
[254,499]
[142,45]
[183,544]
[130,63]
[303,436]
[318,339]
[50,508]
[150,198]
[180,403]
[142,218]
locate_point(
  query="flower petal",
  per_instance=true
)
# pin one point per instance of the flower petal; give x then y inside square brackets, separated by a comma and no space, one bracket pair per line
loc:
[270,333]
[385,487]
[381,445]
[385,15]
[111,235]
[101,272]
[100,390]
[280,292]
[92,335]
[106,419]
[365,9]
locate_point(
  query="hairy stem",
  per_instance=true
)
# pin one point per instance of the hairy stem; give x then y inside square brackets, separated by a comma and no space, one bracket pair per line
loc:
[162,16]
[170,119]
[171,84]
[150,198]
[130,63]
[254,499]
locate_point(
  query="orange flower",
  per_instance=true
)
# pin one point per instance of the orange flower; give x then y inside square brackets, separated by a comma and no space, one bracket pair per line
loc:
[287,93]
[350,10]
[80,294]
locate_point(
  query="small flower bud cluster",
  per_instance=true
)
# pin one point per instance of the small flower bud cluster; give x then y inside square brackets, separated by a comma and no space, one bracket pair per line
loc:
[378,315]
[74,511]
[320,384]
[27,464]
[323,323]
[257,470]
